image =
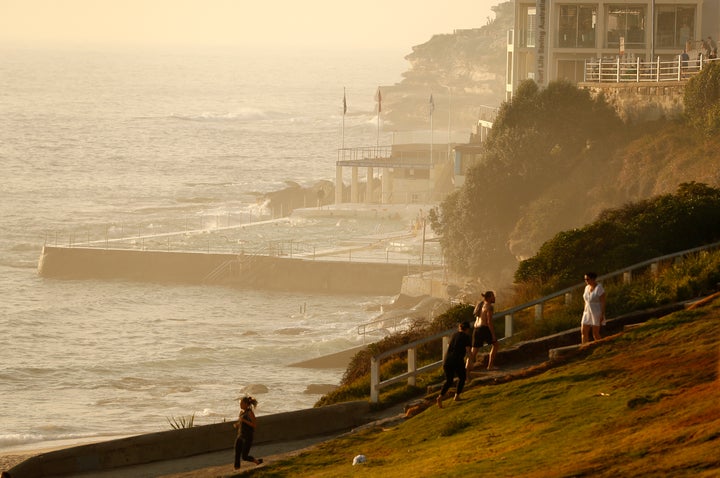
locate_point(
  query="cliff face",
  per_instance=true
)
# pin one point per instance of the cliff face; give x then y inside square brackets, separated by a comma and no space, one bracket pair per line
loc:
[653,164]
[463,71]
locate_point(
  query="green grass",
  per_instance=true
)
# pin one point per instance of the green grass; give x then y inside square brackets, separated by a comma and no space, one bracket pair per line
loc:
[642,403]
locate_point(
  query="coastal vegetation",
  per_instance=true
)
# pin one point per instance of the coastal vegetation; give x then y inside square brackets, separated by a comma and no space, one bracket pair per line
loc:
[702,100]
[177,423]
[536,139]
[630,234]
[640,403]
[556,158]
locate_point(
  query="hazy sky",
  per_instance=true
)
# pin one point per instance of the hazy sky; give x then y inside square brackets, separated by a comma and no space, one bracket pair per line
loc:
[397,24]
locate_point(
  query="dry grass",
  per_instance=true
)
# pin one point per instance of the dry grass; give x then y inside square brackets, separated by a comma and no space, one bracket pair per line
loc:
[643,403]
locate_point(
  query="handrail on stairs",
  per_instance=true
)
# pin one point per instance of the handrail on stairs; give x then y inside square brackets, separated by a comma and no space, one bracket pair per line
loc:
[412,370]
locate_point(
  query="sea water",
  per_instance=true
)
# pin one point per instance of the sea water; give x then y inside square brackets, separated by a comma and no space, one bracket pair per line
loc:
[134,142]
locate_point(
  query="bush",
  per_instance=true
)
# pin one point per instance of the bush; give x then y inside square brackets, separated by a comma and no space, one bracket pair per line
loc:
[702,100]
[624,236]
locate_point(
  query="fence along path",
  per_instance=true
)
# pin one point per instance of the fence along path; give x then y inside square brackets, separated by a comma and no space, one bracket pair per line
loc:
[507,315]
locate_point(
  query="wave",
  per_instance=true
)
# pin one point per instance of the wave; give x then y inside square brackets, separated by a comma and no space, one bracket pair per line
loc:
[24,247]
[245,114]
[222,183]
[197,200]
[19,264]
[19,440]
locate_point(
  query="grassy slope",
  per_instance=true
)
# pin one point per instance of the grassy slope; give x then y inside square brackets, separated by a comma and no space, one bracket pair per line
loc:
[643,403]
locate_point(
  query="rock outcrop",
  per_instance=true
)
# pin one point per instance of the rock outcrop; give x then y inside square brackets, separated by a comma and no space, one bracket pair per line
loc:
[463,71]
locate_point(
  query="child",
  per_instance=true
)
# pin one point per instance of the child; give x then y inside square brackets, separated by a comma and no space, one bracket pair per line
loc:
[246,429]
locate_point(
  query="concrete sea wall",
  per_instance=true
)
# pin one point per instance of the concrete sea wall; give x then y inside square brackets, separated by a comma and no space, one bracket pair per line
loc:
[174,444]
[264,272]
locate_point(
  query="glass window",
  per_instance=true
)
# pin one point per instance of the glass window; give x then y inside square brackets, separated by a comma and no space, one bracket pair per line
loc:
[571,70]
[675,27]
[528,27]
[576,26]
[627,22]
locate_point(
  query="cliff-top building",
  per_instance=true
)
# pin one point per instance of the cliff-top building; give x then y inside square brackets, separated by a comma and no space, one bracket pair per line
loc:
[552,39]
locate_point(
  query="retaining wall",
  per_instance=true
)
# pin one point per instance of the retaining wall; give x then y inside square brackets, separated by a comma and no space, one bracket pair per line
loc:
[174,444]
[638,102]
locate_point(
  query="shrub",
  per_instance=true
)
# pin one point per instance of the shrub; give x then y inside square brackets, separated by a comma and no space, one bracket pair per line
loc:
[702,100]
[627,235]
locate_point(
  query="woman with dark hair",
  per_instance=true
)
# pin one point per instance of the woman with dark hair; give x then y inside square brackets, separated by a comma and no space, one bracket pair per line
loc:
[246,430]
[594,314]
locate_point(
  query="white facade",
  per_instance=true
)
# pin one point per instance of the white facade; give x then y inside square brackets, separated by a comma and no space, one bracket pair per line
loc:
[552,38]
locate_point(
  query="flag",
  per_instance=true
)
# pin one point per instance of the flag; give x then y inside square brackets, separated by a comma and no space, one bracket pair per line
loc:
[432,104]
[344,102]
[378,98]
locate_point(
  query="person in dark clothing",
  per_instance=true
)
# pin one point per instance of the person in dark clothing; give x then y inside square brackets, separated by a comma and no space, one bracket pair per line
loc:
[246,430]
[454,364]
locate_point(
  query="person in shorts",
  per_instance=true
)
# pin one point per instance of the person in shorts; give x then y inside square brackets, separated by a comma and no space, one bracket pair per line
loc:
[484,331]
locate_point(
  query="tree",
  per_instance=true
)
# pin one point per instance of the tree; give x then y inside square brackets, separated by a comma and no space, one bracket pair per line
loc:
[535,139]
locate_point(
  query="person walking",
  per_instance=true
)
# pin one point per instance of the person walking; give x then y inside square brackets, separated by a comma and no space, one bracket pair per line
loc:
[246,431]
[484,331]
[594,313]
[454,363]
[712,48]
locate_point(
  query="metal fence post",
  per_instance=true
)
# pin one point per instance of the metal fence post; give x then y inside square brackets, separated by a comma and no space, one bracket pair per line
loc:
[539,311]
[508,325]
[412,365]
[374,380]
[446,342]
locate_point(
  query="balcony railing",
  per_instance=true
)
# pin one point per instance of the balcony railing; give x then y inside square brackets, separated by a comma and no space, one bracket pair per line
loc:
[618,71]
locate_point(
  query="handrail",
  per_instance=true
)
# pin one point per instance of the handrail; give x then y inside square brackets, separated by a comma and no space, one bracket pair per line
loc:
[376,385]
[363,328]
[615,70]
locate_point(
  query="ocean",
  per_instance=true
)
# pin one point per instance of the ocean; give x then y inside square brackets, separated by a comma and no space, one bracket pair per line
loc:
[121,142]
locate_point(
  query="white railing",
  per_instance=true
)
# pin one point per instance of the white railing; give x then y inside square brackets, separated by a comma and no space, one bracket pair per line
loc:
[411,348]
[617,70]
[377,248]
[386,323]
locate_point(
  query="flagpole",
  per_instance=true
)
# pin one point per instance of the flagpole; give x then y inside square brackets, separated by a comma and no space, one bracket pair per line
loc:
[377,142]
[432,109]
[343,118]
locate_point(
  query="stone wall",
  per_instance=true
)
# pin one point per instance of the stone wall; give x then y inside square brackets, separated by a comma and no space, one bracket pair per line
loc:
[638,102]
